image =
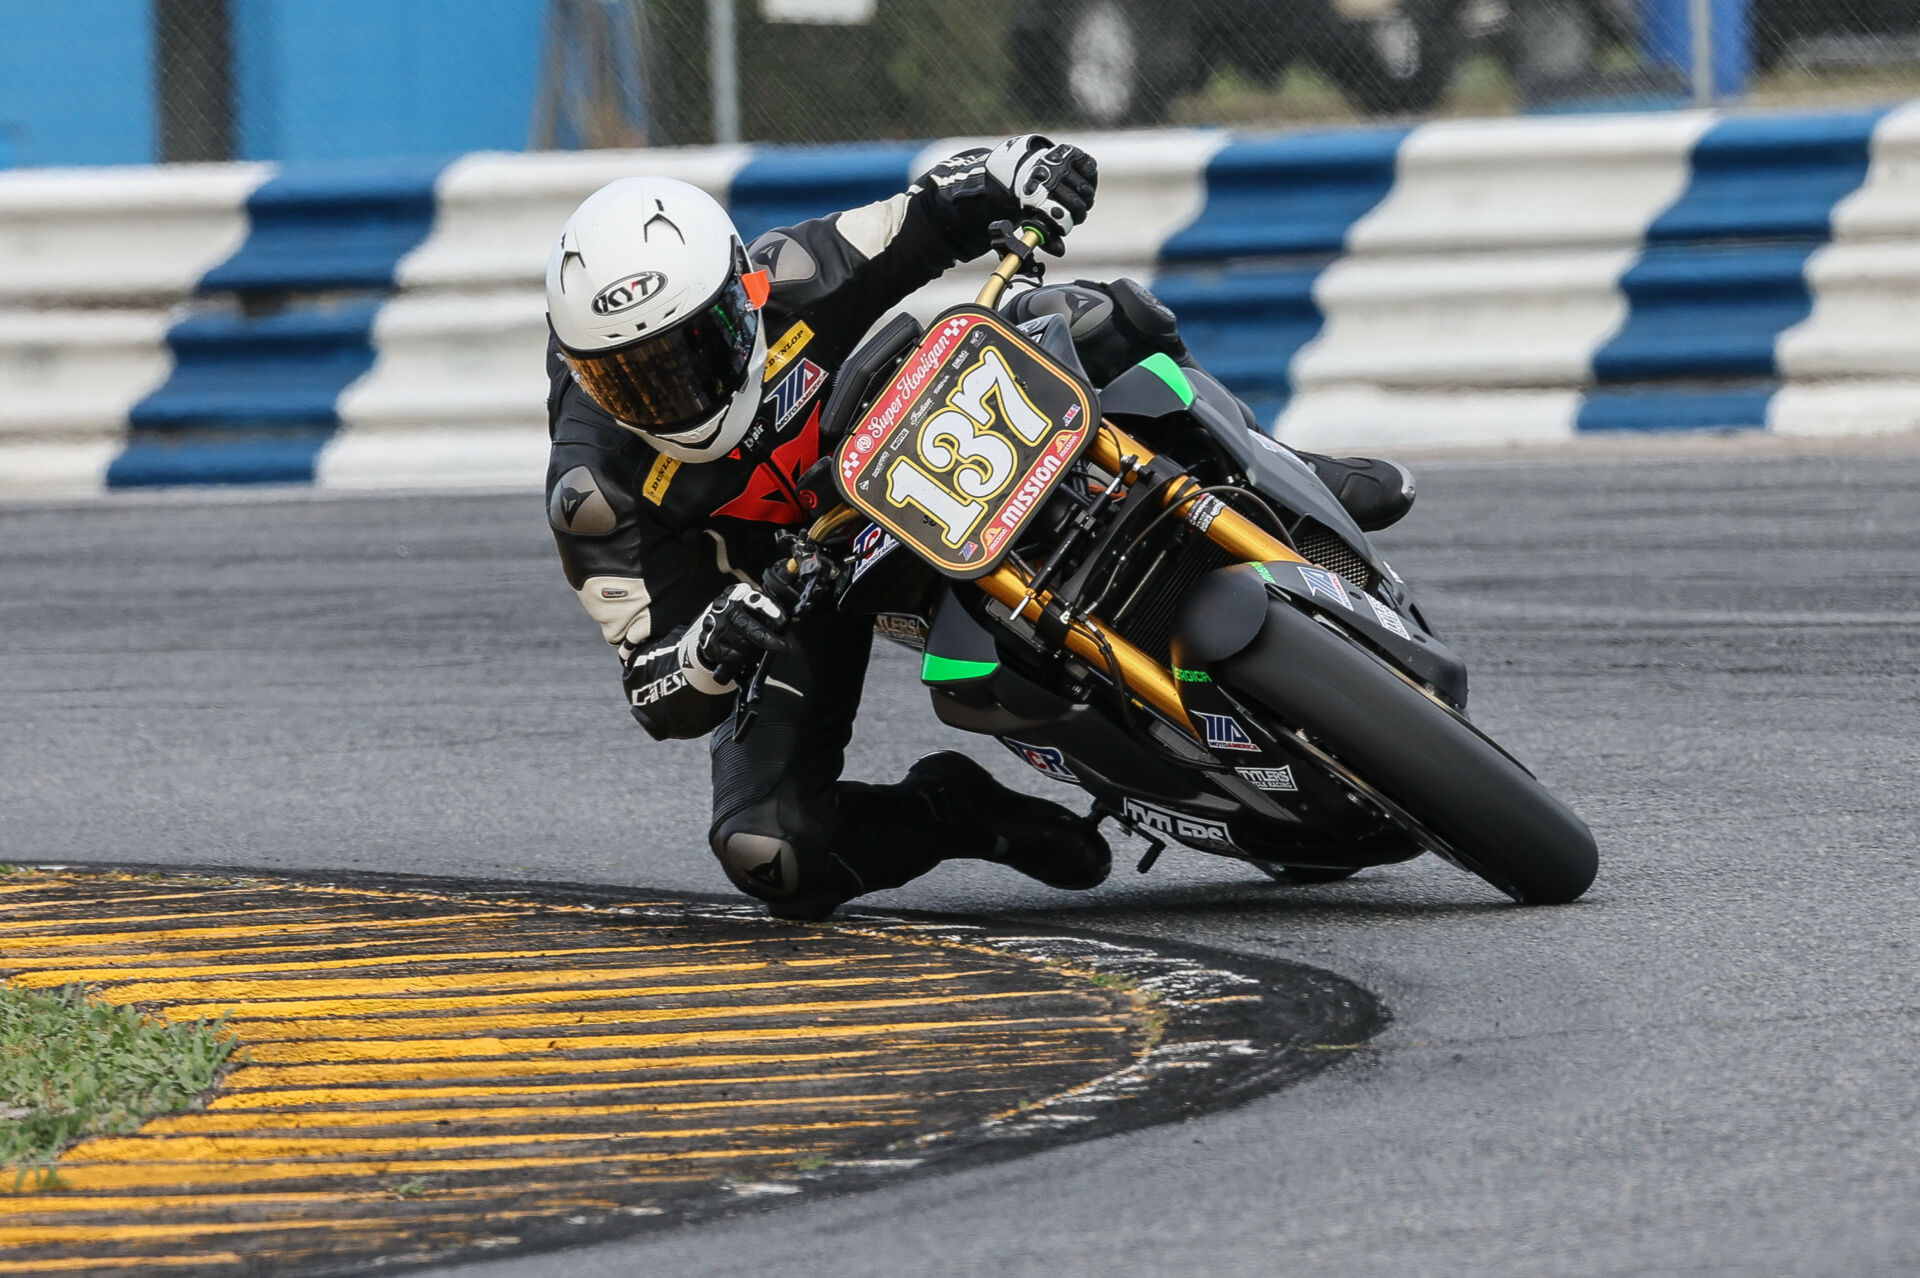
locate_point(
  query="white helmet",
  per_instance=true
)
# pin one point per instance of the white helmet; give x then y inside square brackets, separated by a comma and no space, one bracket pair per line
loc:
[649,296]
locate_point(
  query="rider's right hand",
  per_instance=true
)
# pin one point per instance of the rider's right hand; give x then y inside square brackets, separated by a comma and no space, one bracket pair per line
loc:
[1054,183]
[736,628]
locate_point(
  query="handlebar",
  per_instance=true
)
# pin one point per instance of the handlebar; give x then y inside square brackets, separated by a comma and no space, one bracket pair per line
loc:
[1010,265]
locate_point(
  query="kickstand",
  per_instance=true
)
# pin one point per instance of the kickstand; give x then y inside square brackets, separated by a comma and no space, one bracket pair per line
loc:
[1155,846]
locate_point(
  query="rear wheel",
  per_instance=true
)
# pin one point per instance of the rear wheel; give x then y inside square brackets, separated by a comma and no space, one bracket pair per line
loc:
[1495,819]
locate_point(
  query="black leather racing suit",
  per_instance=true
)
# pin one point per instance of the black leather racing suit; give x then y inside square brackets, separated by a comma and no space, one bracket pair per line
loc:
[648,542]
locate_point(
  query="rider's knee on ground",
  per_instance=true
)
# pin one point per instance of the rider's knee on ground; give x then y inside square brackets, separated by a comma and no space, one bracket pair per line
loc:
[769,857]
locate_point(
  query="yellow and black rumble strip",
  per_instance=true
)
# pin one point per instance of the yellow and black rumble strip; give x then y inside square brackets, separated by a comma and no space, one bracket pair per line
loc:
[429,1071]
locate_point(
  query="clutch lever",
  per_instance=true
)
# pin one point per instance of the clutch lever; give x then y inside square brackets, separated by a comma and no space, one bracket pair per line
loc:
[815,577]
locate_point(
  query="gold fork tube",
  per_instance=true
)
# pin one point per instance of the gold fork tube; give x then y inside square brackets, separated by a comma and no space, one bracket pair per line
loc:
[1232,531]
[1150,682]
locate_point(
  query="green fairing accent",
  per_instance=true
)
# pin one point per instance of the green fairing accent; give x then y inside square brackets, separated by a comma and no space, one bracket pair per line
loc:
[1192,676]
[1162,366]
[1265,575]
[950,669]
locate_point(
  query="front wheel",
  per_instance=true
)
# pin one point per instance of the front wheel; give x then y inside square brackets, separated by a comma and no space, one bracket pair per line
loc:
[1495,819]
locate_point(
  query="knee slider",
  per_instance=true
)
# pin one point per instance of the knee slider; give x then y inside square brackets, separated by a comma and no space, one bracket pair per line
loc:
[756,853]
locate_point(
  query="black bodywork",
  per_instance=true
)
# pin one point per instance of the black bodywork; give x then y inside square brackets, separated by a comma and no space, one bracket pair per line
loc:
[1256,792]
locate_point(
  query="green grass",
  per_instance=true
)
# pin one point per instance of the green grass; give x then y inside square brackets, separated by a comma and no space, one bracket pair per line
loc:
[73,1066]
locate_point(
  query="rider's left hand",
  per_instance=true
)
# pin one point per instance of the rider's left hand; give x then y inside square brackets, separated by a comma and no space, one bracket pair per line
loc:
[1054,182]
[787,577]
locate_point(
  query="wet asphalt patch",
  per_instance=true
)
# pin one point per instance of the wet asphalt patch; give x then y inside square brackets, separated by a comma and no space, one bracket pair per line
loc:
[434,1070]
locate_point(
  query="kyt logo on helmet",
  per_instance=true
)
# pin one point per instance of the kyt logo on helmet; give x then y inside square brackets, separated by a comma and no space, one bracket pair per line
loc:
[628,294]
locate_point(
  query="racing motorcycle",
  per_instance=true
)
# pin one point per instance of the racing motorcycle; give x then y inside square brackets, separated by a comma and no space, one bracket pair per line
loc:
[1144,598]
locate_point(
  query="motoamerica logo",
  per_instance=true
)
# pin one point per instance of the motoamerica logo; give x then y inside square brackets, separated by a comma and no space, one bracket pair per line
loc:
[1224,732]
[627,293]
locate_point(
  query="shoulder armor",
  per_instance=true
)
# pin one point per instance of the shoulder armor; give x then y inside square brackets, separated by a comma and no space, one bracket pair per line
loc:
[578,506]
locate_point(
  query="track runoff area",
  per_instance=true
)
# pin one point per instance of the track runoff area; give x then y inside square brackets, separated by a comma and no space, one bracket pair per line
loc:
[1703,1066]
[428,1073]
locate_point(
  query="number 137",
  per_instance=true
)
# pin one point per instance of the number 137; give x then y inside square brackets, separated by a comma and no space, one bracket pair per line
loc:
[978,464]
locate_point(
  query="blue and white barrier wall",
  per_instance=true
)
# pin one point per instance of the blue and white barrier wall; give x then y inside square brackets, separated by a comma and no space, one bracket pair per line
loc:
[1459,283]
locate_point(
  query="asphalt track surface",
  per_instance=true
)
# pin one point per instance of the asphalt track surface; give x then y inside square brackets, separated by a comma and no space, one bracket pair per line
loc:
[1709,1065]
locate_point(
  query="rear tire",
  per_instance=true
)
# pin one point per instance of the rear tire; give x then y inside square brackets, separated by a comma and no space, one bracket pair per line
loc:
[1495,818]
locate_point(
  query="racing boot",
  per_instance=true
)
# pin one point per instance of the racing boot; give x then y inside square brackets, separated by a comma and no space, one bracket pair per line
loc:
[975,816]
[1376,492]
[946,808]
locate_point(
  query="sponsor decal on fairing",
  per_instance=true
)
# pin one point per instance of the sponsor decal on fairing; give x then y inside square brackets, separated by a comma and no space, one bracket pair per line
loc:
[1272,780]
[1175,825]
[1321,582]
[901,627]
[1043,759]
[869,548]
[1387,617]
[1224,732]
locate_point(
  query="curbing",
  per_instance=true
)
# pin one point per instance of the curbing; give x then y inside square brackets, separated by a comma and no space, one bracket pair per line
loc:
[432,1070]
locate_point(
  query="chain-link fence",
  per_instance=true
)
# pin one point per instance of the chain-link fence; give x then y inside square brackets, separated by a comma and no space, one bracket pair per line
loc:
[825,70]
[592,73]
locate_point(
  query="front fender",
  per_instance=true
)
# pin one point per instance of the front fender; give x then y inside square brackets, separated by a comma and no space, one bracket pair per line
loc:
[1225,613]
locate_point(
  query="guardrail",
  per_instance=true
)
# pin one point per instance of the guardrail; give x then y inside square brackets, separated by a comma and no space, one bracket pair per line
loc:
[1464,282]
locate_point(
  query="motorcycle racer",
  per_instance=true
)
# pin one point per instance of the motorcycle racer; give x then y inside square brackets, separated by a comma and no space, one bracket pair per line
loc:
[688,372]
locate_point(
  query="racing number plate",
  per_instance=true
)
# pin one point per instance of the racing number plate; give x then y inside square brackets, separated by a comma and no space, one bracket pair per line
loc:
[966,442]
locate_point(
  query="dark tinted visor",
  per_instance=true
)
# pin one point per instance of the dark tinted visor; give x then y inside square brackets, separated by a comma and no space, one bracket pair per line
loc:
[681,376]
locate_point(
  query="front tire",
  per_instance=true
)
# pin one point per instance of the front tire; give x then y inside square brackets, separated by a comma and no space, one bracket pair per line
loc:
[1496,819]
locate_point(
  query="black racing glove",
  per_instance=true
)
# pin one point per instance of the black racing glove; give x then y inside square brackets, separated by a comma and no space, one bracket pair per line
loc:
[787,577]
[1053,182]
[735,629]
